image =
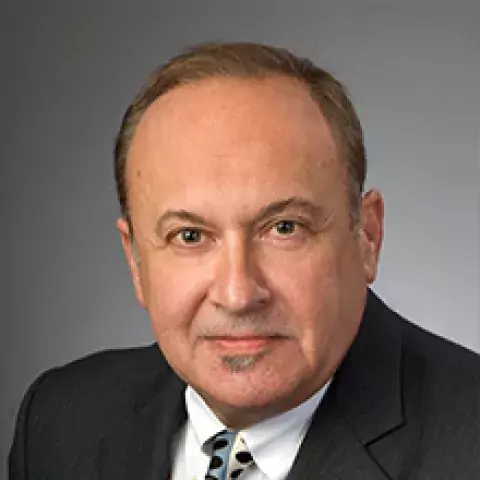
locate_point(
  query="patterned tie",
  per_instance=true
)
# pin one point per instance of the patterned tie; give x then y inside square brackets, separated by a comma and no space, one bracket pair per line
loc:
[230,457]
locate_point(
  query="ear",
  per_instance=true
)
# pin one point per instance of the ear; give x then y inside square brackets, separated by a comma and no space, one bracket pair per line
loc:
[131,257]
[371,232]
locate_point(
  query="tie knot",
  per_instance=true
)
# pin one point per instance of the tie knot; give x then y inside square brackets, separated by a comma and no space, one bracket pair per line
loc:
[223,439]
[230,456]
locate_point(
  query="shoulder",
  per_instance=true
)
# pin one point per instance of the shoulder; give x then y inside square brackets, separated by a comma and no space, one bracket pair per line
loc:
[110,376]
[90,395]
[423,353]
[441,393]
[68,410]
[441,361]
[438,385]
[440,382]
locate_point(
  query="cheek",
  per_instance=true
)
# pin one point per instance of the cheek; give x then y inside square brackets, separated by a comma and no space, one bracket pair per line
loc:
[321,295]
[307,288]
[172,295]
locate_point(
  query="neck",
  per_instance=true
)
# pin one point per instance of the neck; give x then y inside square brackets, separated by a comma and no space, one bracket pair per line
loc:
[239,418]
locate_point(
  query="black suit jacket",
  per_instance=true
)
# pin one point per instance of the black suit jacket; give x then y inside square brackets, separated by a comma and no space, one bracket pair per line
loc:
[403,405]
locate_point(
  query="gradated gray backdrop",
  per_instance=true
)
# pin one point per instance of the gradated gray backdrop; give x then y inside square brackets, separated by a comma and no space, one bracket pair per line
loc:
[68,71]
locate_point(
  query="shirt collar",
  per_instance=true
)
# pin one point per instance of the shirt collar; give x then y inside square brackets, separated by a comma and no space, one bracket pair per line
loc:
[272,449]
[204,422]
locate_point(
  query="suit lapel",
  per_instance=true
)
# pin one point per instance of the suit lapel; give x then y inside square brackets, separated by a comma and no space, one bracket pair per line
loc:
[141,448]
[362,408]
[330,451]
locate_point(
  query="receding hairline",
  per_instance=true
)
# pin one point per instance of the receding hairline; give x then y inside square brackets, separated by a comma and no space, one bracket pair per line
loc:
[306,124]
[193,84]
[251,61]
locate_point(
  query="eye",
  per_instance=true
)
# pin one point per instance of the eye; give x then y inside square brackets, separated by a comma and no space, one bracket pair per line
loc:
[287,233]
[187,236]
[286,227]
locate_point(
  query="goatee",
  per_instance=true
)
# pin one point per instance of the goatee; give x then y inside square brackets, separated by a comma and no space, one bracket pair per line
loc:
[240,363]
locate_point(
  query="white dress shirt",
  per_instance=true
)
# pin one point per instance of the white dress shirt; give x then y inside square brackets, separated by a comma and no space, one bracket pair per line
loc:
[273,443]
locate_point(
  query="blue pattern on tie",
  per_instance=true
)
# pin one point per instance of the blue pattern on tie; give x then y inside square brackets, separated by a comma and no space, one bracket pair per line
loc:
[222,445]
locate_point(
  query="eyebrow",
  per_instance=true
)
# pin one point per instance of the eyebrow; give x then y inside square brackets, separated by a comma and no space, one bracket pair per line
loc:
[282,205]
[266,212]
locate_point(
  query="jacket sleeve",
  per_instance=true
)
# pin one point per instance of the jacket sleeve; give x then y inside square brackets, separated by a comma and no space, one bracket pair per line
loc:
[18,465]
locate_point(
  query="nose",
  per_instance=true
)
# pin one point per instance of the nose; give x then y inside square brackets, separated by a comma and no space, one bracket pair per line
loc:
[238,285]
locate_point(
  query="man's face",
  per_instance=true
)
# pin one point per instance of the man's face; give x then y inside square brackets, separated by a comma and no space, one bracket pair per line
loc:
[250,270]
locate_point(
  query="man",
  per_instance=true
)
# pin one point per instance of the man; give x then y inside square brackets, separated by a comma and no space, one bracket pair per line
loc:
[240,172]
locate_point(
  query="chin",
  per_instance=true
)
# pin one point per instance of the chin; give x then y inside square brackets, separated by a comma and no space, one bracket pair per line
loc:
[246,386]
[248,399]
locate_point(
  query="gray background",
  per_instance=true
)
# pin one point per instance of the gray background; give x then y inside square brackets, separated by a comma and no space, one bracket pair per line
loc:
[68,70]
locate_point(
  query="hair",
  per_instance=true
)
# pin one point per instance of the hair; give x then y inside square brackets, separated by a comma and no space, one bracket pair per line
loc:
[250,61]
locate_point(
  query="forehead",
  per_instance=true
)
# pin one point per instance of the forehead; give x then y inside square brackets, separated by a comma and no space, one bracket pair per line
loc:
[229,135]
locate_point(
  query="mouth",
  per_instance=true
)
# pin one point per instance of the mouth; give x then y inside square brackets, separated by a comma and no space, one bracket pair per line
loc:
[243,343]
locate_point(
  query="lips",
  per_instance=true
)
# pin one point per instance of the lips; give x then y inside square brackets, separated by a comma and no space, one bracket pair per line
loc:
[242,343]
